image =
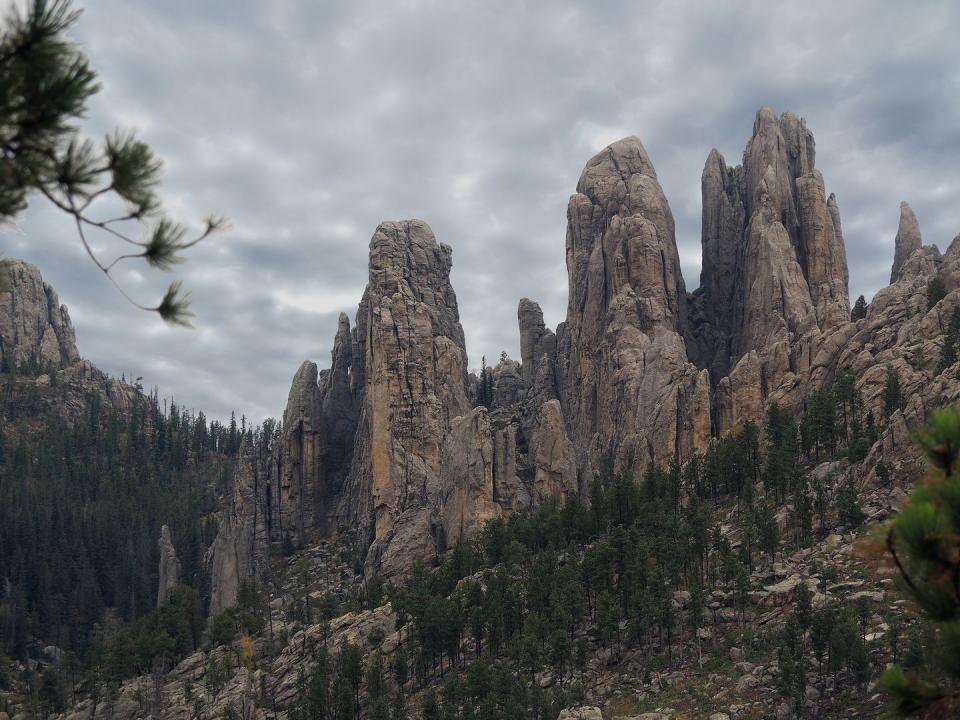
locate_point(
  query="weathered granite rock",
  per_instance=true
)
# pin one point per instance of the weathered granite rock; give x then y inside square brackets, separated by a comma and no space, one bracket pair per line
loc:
[626,382]
[466,476]
[774,278]
[414,357]
[508,383]
[509,491]
[240,550]
[907,241]
[169,572]
[555,466]
[35,328]
[587,712]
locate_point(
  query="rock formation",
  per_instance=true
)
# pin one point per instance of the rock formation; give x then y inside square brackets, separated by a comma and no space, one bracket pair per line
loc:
[536,341]
[319,424]
[907,241]
[35,328]
[169,571]
[240,550]
[774,278]
[626,382]
[387,443]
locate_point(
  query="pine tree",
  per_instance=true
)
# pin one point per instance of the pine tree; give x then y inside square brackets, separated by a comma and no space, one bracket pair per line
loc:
[45,84]
[923,542]
[936,291]
[892,400]
[859,310]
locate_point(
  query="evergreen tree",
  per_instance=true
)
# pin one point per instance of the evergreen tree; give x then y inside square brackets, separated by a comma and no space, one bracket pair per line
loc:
[936,291]
[859,310]
[45,85]
[892,400]
[948,351]
[924,546]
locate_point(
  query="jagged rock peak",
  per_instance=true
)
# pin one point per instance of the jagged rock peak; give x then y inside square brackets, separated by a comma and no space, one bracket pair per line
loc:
[620,239]
[410,345]
[908,239]
[774,262]
[169,570]
[34,327]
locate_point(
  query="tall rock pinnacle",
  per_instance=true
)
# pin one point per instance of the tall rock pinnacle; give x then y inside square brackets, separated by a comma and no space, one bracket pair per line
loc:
[627,385]
[908,239]
[412,349]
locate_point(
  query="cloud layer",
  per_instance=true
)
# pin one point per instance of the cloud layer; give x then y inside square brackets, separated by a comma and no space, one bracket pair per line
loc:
[309,123]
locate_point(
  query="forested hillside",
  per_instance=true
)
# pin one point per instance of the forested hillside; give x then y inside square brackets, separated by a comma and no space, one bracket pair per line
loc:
[81,506]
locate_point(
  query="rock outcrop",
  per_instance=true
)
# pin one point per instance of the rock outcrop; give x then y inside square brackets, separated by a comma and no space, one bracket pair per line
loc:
[35,329]
[907,241]
[169,570]
[537,341]
[386,444]
[414,358]
[466,471]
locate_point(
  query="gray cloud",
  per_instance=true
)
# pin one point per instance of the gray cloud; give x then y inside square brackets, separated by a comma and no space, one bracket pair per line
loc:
[309,123]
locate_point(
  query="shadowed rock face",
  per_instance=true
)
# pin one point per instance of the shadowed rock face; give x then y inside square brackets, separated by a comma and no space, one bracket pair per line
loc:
[34,327]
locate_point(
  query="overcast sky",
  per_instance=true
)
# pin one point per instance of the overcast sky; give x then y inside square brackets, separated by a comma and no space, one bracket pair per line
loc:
[307,123]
